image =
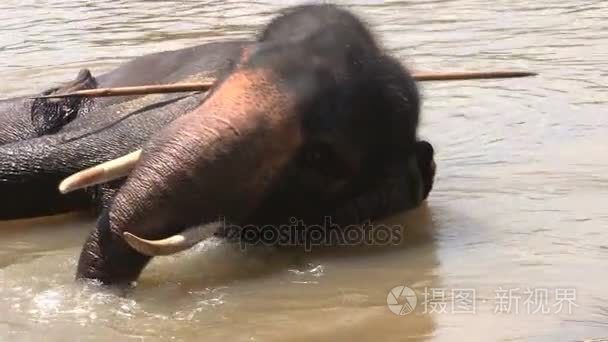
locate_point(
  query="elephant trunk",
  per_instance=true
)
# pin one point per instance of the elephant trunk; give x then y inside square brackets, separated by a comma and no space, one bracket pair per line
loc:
[215,162]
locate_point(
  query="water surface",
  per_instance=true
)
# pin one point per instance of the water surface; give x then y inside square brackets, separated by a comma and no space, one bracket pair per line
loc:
[519,210]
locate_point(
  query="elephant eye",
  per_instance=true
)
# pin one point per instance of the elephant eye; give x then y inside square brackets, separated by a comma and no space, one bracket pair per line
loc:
[321,157]
[315,155]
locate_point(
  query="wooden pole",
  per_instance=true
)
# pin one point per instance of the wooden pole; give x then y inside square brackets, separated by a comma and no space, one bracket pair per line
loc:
[469,75]
[206,85]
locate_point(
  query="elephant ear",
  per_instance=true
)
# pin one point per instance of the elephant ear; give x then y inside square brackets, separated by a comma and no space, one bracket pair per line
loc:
[50,115]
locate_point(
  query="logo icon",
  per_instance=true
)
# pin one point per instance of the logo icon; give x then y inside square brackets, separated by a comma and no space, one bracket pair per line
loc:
[401,300]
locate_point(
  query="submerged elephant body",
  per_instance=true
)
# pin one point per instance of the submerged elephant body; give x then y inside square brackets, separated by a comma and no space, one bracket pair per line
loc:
[311,125]
[106,128]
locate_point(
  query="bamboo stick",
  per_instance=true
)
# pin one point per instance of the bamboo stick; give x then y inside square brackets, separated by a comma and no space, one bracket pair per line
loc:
[204,86]
[469,75]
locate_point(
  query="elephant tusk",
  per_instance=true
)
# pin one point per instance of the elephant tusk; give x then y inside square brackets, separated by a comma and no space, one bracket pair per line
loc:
[174,244]
[100,173]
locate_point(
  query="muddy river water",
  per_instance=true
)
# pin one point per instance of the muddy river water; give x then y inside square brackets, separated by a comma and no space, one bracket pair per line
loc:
[512,244]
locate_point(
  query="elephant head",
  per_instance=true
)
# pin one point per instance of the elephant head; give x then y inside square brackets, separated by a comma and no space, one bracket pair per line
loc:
[300,128]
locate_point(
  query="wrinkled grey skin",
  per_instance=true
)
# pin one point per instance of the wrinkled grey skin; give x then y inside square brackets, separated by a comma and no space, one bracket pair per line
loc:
[106,128]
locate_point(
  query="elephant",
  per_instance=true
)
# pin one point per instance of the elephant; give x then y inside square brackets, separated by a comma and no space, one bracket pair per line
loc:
[104,128]
[316,120]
